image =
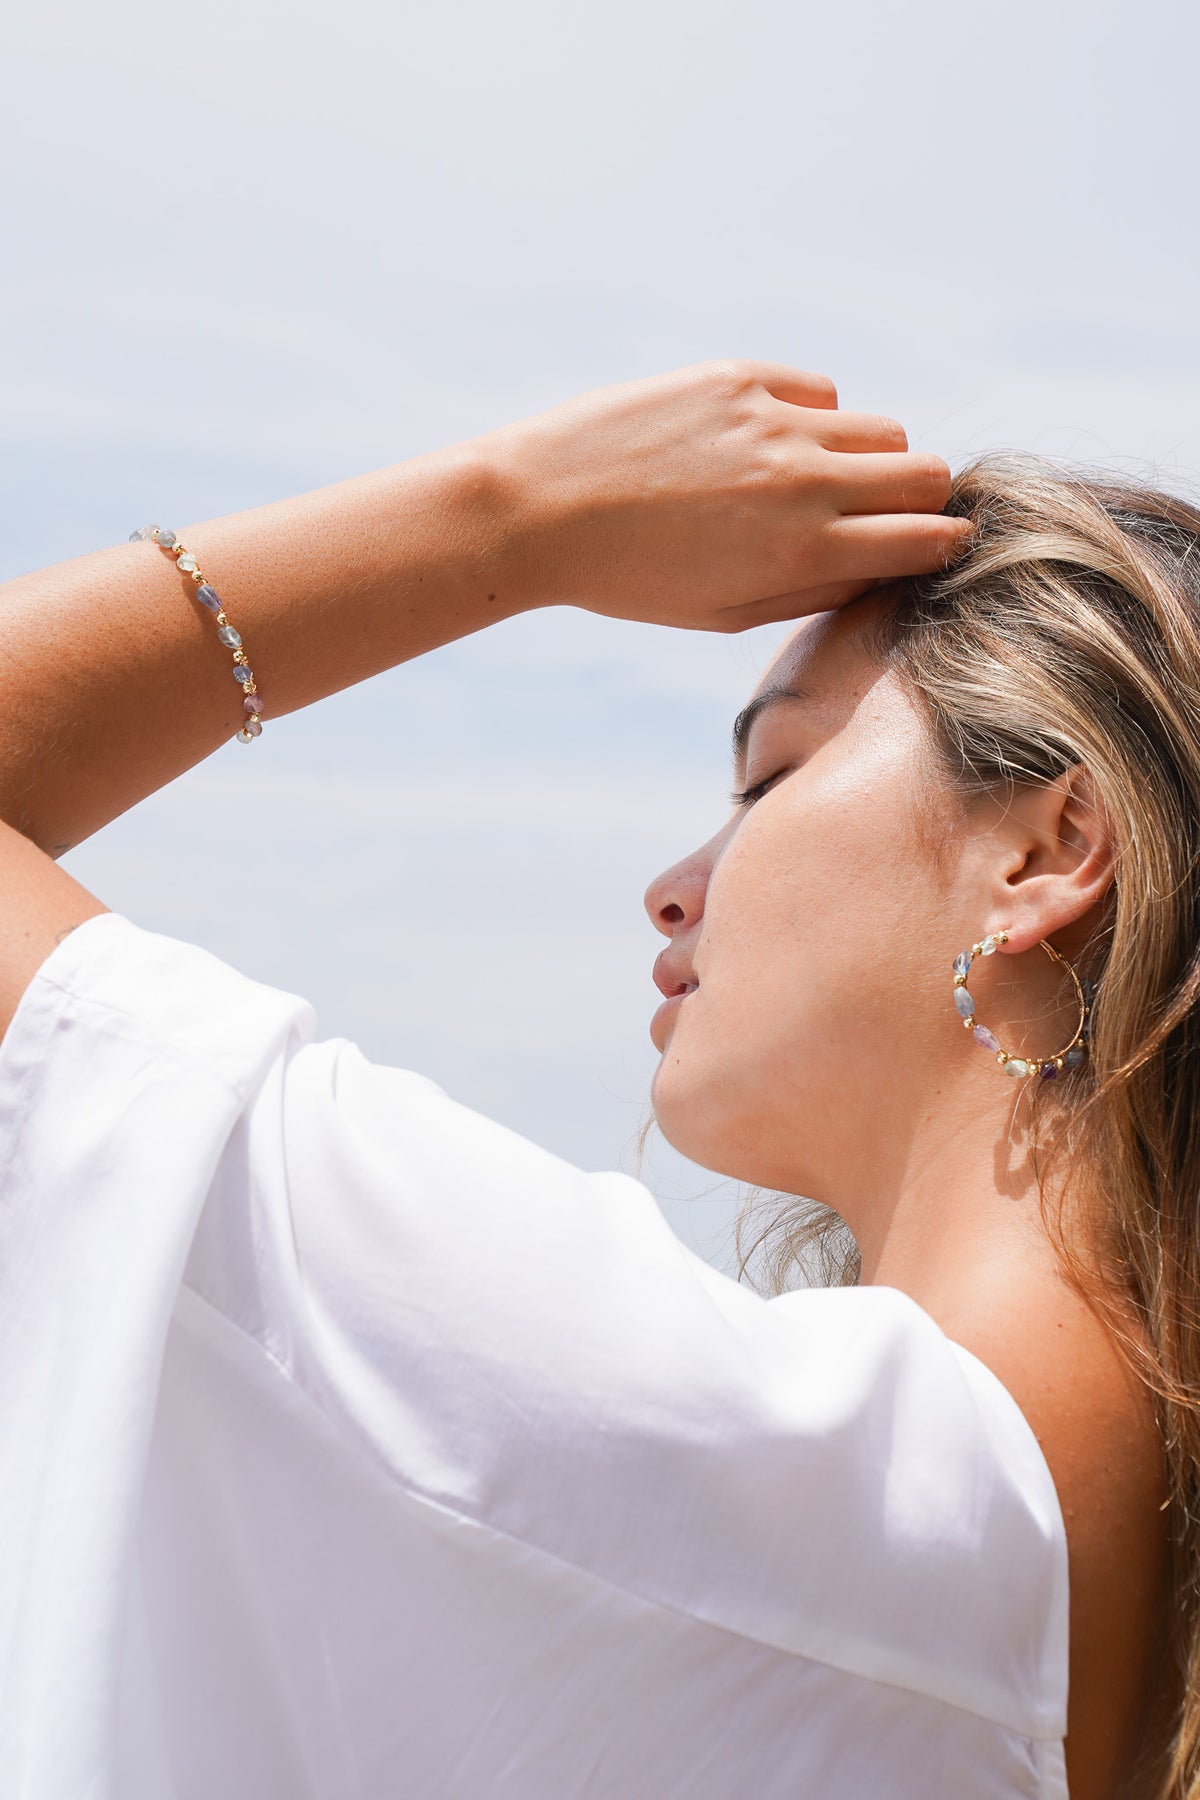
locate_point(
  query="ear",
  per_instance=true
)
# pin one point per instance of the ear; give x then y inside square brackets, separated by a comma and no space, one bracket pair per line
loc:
[1051,861]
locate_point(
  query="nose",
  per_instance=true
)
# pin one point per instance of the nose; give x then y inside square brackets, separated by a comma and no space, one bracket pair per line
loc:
[675,899]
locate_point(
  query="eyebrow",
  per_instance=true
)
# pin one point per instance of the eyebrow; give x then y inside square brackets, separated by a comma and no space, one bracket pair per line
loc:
[769,697]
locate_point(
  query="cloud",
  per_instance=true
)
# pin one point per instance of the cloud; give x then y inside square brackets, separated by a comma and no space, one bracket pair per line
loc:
[293,244]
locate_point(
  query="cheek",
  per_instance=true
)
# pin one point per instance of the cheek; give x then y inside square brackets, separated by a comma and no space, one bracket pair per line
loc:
[800,912]
[808,927]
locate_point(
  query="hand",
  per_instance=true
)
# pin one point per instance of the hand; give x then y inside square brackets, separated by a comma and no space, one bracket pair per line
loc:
[717,497]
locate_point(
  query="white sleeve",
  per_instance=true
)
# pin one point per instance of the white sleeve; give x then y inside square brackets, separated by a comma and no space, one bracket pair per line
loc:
[524,1343]
[530,1345]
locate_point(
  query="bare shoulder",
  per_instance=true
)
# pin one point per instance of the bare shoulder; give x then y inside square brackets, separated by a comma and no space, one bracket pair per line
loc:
[1095,1422]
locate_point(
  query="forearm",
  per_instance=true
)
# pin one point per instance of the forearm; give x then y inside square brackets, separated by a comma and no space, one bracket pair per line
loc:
[112,678]
[714,498]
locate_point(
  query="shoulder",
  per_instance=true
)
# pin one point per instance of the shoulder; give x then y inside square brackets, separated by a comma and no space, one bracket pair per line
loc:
[1095,1423]
[1091,1415]
[529,1345]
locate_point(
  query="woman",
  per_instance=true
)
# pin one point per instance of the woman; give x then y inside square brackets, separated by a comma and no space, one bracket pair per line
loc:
[355,1446]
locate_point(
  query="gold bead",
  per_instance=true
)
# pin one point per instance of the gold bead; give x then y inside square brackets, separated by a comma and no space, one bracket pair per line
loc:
[1002,1057]
[975,949]
[199,577]
[960,981]
[221,619]
[239,656]
[968,1024]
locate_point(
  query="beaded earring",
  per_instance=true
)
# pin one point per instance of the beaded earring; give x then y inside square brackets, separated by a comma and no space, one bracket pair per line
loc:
[1019,1066]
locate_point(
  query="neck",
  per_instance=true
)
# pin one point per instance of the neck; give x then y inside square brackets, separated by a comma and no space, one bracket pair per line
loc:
[952,1208]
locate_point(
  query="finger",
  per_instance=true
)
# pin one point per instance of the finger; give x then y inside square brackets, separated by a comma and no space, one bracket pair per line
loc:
[798,605]
[910,481]
[799,386]
[888,545]
[849,431]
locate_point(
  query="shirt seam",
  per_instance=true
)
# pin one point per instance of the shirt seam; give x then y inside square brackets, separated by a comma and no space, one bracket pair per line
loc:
[365,1453]
[49,1018]
[132,1025]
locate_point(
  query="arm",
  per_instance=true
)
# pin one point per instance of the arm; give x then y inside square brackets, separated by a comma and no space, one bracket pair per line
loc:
[113,679]
[716,497]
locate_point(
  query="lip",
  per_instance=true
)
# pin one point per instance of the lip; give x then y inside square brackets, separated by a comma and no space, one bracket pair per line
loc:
[672,977]
[663,1019]
[664,1016]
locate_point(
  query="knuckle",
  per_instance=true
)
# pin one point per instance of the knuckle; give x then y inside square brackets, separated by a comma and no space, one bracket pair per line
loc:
[732,374]
[792,469]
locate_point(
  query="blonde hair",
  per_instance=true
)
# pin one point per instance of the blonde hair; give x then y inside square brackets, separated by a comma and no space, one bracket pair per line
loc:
[1069,633]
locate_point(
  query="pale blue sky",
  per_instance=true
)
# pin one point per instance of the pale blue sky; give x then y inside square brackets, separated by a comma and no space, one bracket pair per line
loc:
[254,248]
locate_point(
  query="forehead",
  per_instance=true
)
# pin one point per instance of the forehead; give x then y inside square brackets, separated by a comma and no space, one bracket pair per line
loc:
[825,655]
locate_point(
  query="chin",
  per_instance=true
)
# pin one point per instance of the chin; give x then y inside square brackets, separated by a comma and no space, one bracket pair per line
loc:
[703,1122]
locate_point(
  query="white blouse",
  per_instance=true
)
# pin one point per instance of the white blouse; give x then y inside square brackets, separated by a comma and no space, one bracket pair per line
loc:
[354,1448]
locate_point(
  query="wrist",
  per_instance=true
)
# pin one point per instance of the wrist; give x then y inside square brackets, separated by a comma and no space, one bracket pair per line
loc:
[508,490]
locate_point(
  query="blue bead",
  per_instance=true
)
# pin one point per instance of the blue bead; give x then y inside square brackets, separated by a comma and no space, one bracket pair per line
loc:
[229,636]
[242,673]
[962,963]
[963,1003]
[1073,1058]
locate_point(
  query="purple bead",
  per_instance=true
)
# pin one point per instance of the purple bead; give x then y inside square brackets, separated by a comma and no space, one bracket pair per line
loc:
[1073,1058]
[253,726]
[253,703]
[1049,1072]
[209,597]
[242,673]
[983,1036]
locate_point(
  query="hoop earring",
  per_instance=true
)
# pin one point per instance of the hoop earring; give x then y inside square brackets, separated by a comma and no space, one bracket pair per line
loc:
[1018,1067]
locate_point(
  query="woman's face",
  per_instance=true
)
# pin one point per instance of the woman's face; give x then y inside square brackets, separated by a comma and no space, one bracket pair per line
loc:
[812,938]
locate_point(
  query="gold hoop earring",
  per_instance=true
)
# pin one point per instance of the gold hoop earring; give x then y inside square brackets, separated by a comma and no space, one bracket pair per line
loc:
[1018,1067]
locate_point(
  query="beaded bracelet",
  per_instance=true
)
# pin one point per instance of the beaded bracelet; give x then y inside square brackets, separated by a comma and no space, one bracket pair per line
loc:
[207,595]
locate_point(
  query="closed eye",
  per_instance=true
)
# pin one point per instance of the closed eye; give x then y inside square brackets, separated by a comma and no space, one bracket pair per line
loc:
[749,795]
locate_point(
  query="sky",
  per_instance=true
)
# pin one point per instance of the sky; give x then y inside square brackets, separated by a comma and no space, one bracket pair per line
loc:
[252,249]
